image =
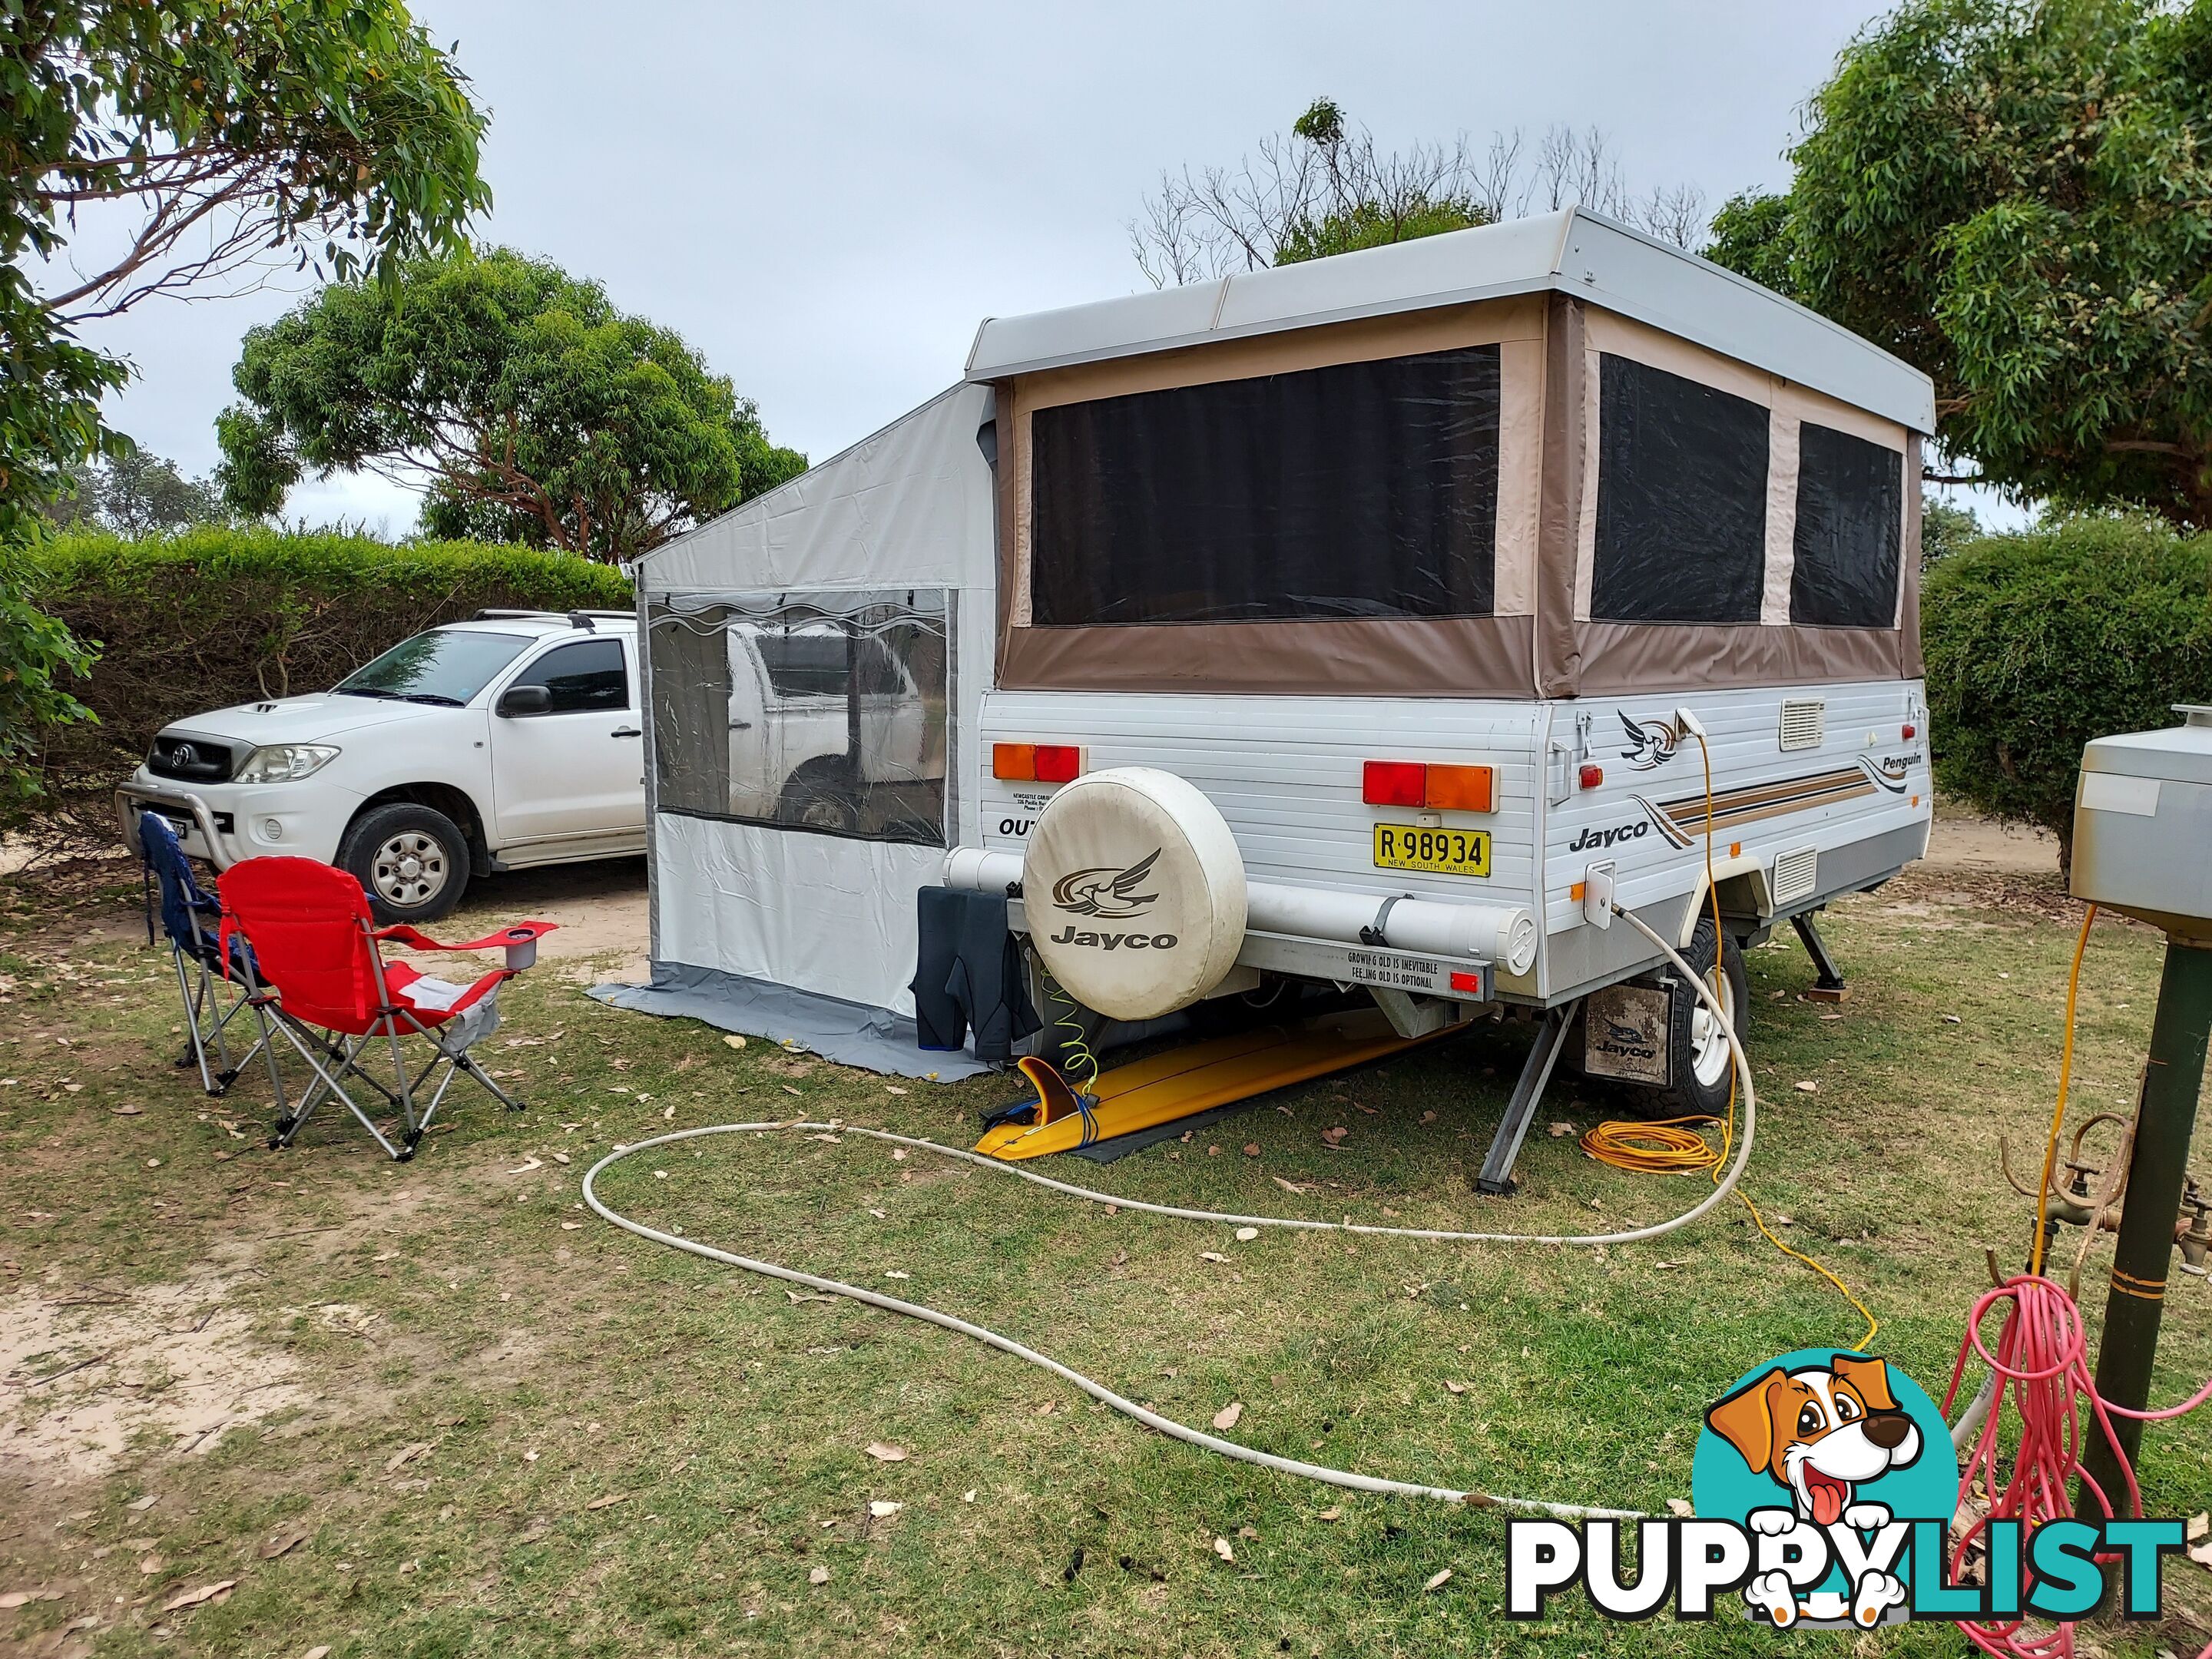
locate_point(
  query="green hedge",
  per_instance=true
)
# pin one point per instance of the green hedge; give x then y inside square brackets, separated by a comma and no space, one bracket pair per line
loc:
[2036,643]
[215,616]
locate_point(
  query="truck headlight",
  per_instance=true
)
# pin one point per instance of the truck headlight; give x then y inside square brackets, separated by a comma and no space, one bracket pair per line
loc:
[281,762]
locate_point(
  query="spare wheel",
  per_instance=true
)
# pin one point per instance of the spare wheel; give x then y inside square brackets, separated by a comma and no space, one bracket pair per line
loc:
[1135,892]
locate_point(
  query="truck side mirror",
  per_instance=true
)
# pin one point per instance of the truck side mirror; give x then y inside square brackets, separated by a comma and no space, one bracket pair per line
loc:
[518,701]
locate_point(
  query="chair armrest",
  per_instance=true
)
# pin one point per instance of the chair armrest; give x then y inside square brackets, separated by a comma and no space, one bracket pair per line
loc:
[519,941]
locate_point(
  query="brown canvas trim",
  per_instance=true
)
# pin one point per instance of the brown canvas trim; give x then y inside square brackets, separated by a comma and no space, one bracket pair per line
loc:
[1395,657]
[1649,657]
[1559,525]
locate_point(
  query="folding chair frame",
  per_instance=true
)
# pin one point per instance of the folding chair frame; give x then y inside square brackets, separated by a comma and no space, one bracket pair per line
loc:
[207,1015]
[334,1057]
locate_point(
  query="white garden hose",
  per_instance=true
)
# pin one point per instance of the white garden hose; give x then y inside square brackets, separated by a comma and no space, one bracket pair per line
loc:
[1099,1391]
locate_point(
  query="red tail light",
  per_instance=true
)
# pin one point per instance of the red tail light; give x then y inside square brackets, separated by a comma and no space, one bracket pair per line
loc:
[1440,788]
[1394,783]
[1039,763]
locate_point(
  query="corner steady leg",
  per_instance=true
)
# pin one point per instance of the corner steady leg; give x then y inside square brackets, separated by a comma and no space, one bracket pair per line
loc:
[1497,1176]
[1828,985]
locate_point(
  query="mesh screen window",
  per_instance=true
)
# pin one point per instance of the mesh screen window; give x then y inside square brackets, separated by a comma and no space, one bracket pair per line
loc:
[827,713]
[1360,491]
[1851,512]
[1682,499]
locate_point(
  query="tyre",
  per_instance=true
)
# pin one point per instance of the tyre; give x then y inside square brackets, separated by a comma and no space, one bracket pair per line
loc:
[1703,1066]
[820,797]
[412,861]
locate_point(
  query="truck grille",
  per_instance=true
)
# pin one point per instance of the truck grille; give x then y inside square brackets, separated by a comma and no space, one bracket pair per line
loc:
[198,760]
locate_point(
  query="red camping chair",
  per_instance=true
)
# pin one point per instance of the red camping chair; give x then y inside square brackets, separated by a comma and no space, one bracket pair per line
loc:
[312,932]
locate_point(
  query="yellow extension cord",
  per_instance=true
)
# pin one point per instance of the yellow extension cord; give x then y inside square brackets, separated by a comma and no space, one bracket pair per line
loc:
[1674,1145]
[2065,1080]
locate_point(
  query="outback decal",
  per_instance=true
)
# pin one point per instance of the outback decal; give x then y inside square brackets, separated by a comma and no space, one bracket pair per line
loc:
[1651,742]
[1106,892]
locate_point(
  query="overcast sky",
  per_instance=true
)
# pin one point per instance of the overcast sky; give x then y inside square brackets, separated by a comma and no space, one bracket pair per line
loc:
[826,200]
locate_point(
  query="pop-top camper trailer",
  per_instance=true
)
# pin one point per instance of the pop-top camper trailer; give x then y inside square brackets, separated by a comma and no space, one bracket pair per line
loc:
[1369,623]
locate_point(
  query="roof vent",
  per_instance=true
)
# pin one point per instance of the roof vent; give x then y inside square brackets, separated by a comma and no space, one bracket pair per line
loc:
[1804,723]
[1796,873]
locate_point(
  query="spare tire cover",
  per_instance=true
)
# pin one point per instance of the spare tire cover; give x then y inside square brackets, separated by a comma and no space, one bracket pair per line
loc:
[1134,892]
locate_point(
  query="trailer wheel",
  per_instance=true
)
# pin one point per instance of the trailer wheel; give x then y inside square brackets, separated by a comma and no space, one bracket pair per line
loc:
[1703,1068]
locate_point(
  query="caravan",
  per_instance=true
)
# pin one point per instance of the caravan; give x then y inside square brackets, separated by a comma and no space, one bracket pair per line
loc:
[1377,623]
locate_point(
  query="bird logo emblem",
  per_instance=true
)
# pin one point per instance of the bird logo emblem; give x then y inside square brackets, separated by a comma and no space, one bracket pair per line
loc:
[1106,891]
[1652,742]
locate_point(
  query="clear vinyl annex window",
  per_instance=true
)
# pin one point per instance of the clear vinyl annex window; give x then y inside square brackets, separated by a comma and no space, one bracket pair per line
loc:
[1682,499]
[827,712]
[1851,530]
[1358,490]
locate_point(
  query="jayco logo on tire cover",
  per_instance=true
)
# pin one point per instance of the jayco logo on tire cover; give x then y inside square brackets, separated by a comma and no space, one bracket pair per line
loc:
[1111,894]
[1107,892]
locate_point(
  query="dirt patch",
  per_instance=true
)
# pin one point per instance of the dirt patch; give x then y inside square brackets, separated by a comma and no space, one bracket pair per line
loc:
[84,1374]
[1966,840]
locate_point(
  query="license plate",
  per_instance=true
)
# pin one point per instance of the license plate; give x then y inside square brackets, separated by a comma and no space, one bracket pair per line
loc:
[1445,851]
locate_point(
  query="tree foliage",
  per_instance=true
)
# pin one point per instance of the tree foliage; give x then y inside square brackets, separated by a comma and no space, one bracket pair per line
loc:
[2036,643]
[533,409]
[137,494]
[208,136]
[2016,196]
[1327,187]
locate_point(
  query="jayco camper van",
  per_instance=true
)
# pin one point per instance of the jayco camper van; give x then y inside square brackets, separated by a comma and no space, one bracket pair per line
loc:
[1374,624]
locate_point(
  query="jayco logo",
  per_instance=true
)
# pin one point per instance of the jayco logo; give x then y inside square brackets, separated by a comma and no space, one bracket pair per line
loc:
[1651,742]
[1824,1487]
[1107,892]
[1590,840]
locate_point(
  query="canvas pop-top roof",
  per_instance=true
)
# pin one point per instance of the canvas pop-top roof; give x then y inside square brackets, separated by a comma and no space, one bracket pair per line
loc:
[1573,252]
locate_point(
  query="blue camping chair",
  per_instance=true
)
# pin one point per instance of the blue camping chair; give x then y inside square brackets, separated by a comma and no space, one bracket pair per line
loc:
[191,922]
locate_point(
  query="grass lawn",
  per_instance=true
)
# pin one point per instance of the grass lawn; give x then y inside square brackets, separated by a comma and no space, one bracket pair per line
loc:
[438,1408]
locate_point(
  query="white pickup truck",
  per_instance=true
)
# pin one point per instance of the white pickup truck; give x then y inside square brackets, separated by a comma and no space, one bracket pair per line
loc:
[514,739]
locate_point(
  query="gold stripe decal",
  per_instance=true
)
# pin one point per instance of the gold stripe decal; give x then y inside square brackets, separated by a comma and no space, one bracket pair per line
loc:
[1682,821]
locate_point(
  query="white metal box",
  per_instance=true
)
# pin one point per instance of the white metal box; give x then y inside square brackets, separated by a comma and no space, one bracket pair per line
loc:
[2142,824]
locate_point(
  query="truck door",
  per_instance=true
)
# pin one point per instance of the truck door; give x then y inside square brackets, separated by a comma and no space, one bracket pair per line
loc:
[576,771]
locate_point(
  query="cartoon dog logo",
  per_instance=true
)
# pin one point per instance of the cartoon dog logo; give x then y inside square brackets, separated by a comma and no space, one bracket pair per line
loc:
[1106,891]
[1652,742]
[1820,1433]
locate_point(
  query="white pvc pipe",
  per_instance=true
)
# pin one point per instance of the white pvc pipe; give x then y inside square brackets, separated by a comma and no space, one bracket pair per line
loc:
[1501,934]
[1105,1395]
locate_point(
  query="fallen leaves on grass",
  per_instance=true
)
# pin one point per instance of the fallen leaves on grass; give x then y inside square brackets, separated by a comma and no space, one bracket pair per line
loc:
[883,1452]
[201,1597]
[1227,1418]
[1246,1235]
[1456,1388]
[734,1040]
[1211,1256]
[881,1509]
[818,1575]
[1807,1087]
[1681,1506]
[1289,1186]
[609,1501]
[1251,1148]
[1223,1548]
[527,1165]
[1438,1581]
[285,1543]
[1561,1130]
[407,1455]
[1334,1138]
[1333,1512]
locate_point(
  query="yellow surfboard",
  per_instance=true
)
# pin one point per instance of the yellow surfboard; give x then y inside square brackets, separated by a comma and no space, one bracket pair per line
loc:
[1191,1079]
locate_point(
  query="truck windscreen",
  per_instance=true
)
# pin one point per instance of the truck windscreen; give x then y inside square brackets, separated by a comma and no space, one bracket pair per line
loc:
[443,665]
